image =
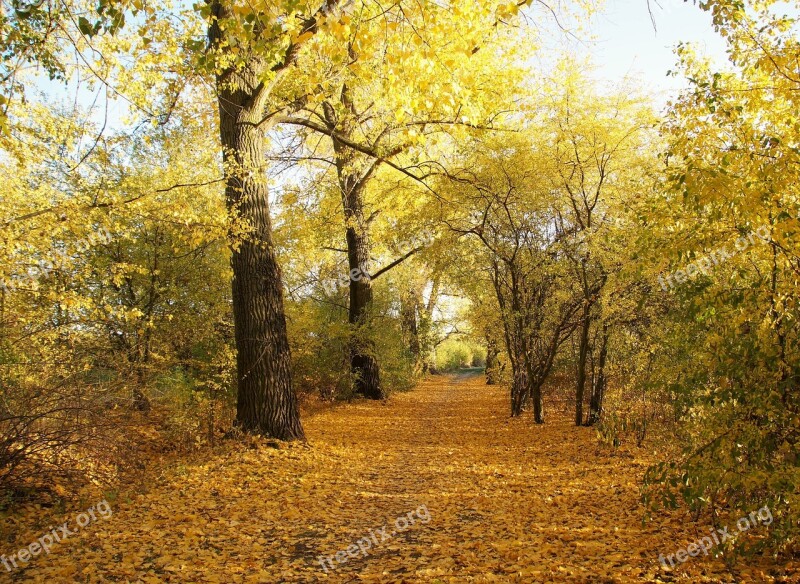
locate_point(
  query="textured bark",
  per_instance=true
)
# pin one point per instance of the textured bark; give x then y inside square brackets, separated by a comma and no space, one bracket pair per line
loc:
[409,308]
[583,352]
[599,387]
[538,403]
[519,390]
[266,403]
[138,356]
[493,368]
[515,347]
[363,362]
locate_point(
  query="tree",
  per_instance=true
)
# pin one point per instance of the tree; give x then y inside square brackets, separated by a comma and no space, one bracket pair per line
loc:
[255,56]
[372,126]
[597,148]
[265,61]
[115,282]
[509,212]
[731,277]
[266,402]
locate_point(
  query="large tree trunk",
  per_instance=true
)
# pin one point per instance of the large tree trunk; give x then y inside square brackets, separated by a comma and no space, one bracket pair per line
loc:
[583,352]
[363,362]
[599,388]
[266,403]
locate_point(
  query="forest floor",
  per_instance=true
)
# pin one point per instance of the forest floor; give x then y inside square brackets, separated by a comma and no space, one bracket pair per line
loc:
[436,485]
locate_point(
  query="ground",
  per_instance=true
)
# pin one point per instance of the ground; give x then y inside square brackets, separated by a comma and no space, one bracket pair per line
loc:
[436,485]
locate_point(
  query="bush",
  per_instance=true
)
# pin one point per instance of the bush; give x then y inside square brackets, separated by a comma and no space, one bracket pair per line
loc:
[320,338]
[453,355]
[478,356]
[55,431]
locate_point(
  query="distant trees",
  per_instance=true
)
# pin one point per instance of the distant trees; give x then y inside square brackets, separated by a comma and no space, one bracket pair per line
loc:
[513,223]
[542,209]
[599,165]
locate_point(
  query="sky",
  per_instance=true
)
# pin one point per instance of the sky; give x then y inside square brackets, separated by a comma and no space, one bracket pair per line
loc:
[627,43]
[621,41]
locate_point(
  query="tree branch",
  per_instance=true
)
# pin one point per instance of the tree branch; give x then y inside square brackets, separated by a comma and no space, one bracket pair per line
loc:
[396,262]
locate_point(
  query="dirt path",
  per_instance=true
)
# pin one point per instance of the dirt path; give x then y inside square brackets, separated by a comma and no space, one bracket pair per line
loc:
[491,500]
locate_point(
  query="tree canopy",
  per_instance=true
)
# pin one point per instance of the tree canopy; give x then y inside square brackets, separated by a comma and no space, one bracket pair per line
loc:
[248,213]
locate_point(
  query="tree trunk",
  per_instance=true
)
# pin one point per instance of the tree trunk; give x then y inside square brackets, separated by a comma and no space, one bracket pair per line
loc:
[266,403]
[409,306]
[519,390]
[522,376]
[492,361]
[599,388]
[583,351]
[538,403]
[363,363]
[513,330]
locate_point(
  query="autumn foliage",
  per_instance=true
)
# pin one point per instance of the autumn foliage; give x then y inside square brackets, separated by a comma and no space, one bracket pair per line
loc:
[248,299]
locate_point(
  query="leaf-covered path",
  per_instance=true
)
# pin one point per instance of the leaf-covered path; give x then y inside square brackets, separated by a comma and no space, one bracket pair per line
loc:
[491,499]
